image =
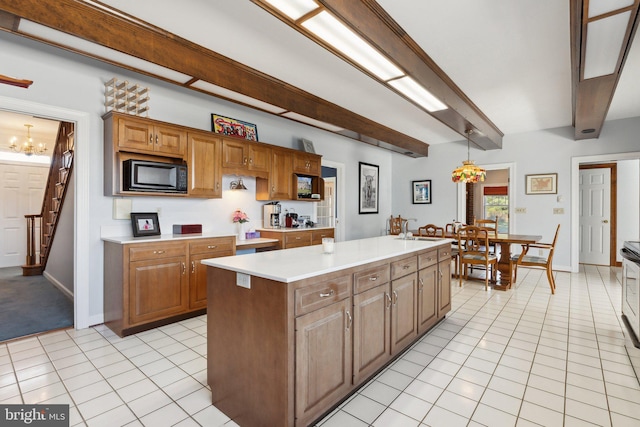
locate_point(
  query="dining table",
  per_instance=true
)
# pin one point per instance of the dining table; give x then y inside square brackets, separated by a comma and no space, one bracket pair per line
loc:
[504,241]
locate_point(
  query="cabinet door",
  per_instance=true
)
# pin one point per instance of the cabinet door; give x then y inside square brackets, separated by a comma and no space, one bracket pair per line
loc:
[259,158]
[371,328]
[428,280]
[444,289]
[404,319]
[198,282]
[323,359]
[306,164]
[157,289]
[280,176]
[234,155]
[170,140]
[135,134]
[205,175]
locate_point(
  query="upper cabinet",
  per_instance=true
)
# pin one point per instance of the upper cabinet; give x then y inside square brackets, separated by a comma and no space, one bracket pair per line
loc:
[240,157]
[205,175]
[278,186]
[147,137]
[307,164]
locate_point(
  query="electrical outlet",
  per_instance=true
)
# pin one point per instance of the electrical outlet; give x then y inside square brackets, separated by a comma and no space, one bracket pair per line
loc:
[558,211]
[521,210]
[243,280]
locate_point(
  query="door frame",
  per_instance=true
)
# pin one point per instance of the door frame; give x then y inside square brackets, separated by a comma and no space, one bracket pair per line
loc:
[575,196]
[613,206]
[340,197]
[80,175]
[461,211]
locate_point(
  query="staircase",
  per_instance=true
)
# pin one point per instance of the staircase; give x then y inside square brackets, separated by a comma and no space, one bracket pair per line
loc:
[54,194]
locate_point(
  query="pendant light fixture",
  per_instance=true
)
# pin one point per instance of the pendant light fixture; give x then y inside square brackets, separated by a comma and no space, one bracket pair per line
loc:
[468,172]
[27,147]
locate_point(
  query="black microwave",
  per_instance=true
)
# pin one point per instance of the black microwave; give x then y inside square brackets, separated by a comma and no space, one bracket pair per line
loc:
[158,177]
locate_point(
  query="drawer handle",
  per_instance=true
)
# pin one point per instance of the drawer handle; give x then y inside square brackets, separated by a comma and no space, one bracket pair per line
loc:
[326,294]
[406,267]
[298,238]
[211,247]
[158,252]
[373,278]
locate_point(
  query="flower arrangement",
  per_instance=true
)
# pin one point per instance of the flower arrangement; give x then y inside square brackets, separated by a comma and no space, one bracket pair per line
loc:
[240,217]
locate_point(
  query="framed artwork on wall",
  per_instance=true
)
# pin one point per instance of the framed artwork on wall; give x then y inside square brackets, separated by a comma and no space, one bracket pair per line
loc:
[546,183]
[233,127]
[421,191]
[368,185]
[145,224]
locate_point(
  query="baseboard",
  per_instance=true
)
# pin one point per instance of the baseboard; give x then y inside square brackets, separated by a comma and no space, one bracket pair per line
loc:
[58,285]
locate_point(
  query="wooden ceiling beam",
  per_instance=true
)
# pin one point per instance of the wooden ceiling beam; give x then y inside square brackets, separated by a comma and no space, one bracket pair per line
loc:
[592,97]
[157,46]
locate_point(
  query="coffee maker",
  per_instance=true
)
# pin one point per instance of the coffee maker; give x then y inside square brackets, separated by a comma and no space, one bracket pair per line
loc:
[271,217]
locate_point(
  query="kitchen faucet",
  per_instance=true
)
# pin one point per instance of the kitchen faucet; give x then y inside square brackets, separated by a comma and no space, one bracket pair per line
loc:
[405,223]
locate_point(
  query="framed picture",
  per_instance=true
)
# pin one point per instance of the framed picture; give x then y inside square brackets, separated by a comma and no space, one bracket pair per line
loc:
[368,194]
[546,183]
[421,191]
[308,146]
[145,224]
[233,127]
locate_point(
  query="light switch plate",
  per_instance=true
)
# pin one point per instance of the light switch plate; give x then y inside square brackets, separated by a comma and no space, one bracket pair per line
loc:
[121,208]
[243,280]
[558,211]
[521,210]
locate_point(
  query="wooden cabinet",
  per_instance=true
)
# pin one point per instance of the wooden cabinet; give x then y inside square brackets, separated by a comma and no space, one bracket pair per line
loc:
[404,319]
[278,186]
[307,164]
[434,287]
[292,238]
[203,162]
[149,284]
[239,157]
[140,135]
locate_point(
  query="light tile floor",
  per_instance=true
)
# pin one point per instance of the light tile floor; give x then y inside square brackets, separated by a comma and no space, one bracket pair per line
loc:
[521,357]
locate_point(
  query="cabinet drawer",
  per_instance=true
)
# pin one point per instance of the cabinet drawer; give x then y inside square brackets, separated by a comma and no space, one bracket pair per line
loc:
[142,252]
[428,258]
[297,239]
[317,235]
[444,253]
[213,246]
[403,267]
[370,278]
[321,294]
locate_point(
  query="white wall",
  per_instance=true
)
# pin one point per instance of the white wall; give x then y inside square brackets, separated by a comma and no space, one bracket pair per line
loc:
[68,81]
[535,152]
[628,227]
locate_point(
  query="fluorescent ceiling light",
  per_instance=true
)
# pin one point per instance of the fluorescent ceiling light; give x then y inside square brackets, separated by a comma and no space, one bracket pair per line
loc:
[414,91]
[310,121]
[229,94]
[294,9]
[604,44]
[78,44]
[600,7]
[334,32]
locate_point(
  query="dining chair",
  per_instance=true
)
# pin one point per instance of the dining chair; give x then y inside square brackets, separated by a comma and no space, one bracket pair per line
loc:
[545,262]
[473,244]
[431,230]
[395,224]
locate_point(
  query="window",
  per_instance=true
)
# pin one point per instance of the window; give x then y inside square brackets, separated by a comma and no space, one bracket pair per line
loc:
[495,202]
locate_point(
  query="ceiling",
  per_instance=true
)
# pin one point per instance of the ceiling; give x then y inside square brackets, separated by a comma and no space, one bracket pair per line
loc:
[12,125]
[512,60]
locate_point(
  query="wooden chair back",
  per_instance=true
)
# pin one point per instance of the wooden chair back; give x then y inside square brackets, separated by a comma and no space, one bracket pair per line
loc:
[431,230]
[473,243]
[537,261]
[491,225]
[395,225]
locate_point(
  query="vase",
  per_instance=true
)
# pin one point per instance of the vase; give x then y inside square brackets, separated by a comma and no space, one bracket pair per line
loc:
[240,231]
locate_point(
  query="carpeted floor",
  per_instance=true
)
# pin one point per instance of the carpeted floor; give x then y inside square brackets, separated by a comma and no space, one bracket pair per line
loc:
[30,304]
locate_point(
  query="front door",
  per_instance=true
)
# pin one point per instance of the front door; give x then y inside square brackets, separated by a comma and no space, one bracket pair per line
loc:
[595,216]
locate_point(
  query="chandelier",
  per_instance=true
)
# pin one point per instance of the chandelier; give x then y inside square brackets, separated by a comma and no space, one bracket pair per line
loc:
[27,147]
[468,172]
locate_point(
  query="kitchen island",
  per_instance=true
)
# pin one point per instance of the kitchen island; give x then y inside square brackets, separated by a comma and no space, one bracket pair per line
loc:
[291,333]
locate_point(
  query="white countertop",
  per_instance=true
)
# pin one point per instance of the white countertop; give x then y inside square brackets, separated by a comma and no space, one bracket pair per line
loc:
[290,265]
[289,229]
[122,240]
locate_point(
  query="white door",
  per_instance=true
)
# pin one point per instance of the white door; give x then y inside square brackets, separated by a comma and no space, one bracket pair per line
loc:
[21,192]
[326,212]
[595,216]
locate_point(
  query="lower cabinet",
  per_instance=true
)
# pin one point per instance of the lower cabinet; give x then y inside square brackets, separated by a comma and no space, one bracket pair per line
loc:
[148,284]
[292,238]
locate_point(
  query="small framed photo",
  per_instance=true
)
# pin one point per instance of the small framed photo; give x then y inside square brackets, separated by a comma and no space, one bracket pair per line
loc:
[369,181]
[308,146]
[233,127]
[546,183]
[145,224]
[421,191]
